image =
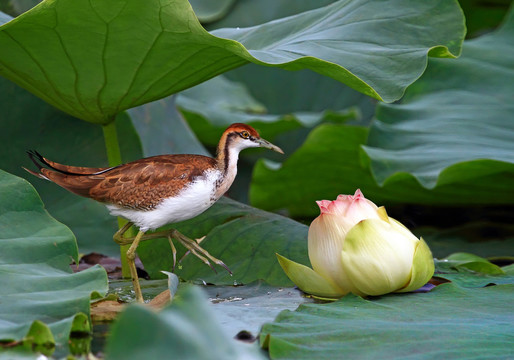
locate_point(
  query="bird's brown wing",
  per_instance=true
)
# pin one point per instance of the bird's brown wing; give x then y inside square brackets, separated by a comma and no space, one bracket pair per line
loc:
[139,184]
[142,184]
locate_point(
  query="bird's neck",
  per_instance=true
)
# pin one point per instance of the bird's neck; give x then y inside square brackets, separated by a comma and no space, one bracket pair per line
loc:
[226,163]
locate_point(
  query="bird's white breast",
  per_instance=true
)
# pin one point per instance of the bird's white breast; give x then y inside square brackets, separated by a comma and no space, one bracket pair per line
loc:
[190,202]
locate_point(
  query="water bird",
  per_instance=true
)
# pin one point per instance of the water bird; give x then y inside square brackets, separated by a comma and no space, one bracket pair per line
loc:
[158,190]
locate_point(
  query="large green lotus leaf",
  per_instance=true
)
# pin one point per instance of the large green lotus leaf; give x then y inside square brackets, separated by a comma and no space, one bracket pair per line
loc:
[329,163]
[363,38]
[212,106]
[481,15]
[187,329]
[87,58]
[455,123]
[468,274]
[30,123]
[286,92]
[449,321]
[39,291]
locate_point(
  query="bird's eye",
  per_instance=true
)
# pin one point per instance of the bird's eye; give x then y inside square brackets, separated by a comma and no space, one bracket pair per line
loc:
[245,134]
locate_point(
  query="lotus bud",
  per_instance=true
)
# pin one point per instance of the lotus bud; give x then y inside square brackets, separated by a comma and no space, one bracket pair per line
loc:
[354,246]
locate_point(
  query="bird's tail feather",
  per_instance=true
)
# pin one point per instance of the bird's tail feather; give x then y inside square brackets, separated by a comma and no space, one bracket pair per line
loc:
[43,163]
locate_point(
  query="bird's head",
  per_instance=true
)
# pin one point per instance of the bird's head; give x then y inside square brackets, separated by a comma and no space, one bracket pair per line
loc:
[241,136]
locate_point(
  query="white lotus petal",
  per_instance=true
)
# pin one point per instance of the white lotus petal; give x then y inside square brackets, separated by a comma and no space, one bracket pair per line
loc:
[326,236]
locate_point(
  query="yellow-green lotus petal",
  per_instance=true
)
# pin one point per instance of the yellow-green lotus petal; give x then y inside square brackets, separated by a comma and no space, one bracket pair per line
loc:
[308,280]
[399,227]
[377,258]
[422,267]
[382,213]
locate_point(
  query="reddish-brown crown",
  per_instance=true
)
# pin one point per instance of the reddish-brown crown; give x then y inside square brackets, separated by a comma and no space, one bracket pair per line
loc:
[241,127]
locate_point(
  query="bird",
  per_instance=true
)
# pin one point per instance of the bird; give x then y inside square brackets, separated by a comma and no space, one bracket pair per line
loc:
[158,190]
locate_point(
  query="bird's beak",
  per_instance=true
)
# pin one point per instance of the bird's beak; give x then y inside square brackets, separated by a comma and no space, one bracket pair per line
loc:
[266,144]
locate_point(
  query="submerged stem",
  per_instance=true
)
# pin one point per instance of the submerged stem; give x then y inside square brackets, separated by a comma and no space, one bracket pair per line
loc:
[112,147]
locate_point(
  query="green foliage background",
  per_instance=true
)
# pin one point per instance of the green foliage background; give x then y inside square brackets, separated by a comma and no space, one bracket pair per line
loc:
[438,154]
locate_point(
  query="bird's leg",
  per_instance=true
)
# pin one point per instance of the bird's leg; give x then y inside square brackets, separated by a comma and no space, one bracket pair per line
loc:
[131,256]
[130,240]
[188,243]
[196,249]
[203,258]
[173,251]
[118,236]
